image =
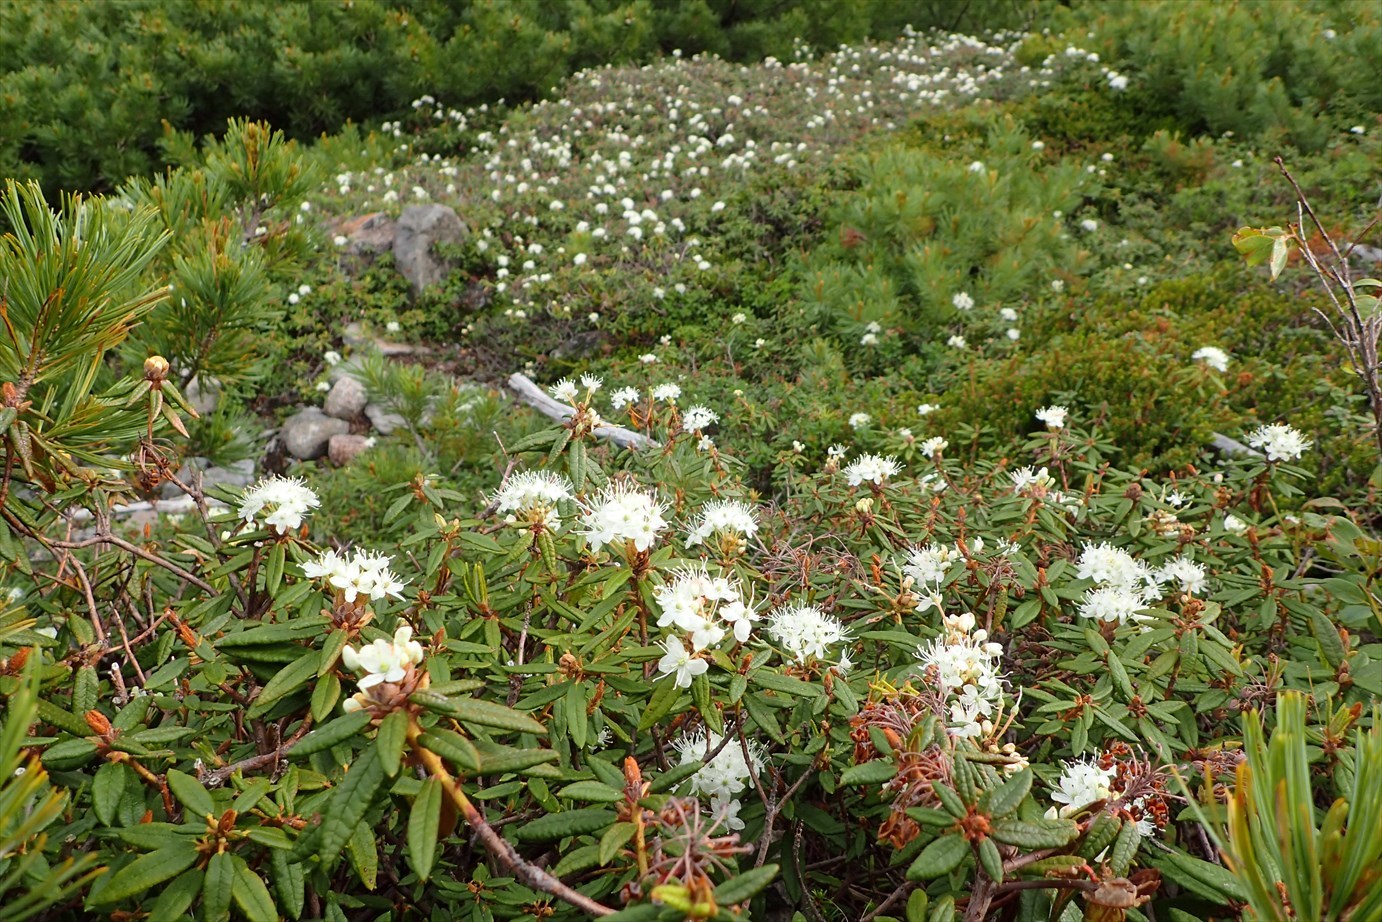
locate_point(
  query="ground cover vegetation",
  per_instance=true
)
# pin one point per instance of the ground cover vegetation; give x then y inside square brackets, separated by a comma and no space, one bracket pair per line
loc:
[992,530]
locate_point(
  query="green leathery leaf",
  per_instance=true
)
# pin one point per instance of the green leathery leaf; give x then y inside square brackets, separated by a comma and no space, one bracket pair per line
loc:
[949,800]
[251,895]
[591,792]
[106,790]
[218,887]
[146,872]
[744,886]
[452,746]
[391,738]
[286,681]
[325,694]
[175,898]
[331,734]
[614,839]
[364,855]
[874,772]
[348,804]
[424,826]
[189,790]
[1006,798]
[1124,849]
[480,713]
[939,857]
[991,861]
[289,882]
[1036,833]
[554,826]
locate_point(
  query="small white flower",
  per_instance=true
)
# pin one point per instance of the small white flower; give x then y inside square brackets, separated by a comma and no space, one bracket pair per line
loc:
[287,501]
[1212,356]
[805,631]
[933,445]
[723,517]
[331,357]
[871,469]
[623,397]
[363,574]
[1082,783]
[926,409]
[323,386]
[1089,225]
[1234,525]
[564,390]
[679,662]
[957,342]
[667,393]
[621,513]
[1280,442]
[1053,416]
[392,327]
[738,318]
[859,420]
[962,301]
[381,662]
[697,418]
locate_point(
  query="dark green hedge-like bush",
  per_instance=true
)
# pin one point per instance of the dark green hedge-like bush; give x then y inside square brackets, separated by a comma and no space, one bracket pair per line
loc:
[86,85]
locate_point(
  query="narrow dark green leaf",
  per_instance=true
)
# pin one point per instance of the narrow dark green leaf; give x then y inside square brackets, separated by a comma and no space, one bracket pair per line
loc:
[189,790]
[391,738]
[874,772]
[556,826]
[744,886]
[252,896]
[939,857]
[218,888]
[424,825]
[146,872]
[348,804]
[286,681]
[327,735]
[480,713]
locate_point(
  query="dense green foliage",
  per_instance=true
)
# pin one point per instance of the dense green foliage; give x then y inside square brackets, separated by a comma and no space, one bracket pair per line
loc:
[913,589]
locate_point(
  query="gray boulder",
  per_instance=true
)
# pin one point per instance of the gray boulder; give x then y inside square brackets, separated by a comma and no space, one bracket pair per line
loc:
[346,398]
[306,434]
[420,227]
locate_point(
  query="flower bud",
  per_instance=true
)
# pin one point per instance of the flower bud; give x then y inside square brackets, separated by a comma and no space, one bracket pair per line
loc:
[155,369]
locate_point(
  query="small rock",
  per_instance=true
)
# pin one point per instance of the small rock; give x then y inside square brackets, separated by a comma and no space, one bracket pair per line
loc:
[384,421]
[306,434]
[204,397]
[420,227]
[342,449]
[368,235]
[346,398]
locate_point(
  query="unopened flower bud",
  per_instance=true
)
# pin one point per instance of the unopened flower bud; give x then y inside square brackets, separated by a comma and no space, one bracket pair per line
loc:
[155,369]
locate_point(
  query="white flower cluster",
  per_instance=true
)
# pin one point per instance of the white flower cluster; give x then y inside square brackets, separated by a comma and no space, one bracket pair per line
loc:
[928,565]
[286,499]
[1279,441]
[1082,783]
[380,662]
[871,469]
[725,776]
[362,574]
[1126,585]
[964,665]
[723,517]
[623,513]
[1212,356]
[705,607]
[1085,782]
[697,418]
[534,495]
[1053,416]
[1026,479]
[805,631]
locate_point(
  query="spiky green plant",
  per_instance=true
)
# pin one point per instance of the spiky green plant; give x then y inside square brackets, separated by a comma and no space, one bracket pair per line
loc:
[28,806]
[1294,864]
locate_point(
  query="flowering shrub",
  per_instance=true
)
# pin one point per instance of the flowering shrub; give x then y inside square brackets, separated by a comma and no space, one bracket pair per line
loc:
[995,666]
